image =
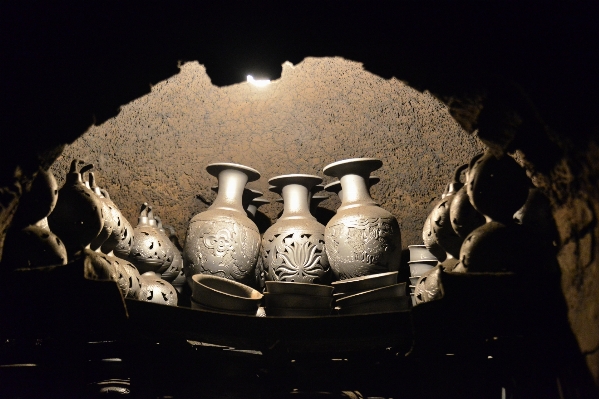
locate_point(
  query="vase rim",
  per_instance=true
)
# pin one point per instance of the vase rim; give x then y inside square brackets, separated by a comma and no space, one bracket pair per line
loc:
[215,168]
[333,187]
[352,165]
[260,201]
[308,181]
[276,189]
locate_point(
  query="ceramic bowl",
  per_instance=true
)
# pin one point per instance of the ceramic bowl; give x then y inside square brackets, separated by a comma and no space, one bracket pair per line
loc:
[420,267]
[297,301]
[285,287]
[395,304]
[197,305]
[414,280]
[223,294]
[390,291]
[420,252]
[291,312]
[365,283]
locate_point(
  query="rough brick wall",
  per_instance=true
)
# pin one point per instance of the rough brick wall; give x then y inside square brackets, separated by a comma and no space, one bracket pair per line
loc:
[319,111]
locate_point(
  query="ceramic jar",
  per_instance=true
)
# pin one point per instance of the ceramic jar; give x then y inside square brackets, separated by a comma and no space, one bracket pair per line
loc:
[156,290]
[149,249]
[77,216]
[362,238]
[293,249]
[223,241]
[462,215]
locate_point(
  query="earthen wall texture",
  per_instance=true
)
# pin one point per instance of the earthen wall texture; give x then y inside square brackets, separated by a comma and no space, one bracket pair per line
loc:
[320,111]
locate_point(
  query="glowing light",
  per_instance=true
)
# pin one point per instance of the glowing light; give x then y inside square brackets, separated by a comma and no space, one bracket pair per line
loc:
[258,82]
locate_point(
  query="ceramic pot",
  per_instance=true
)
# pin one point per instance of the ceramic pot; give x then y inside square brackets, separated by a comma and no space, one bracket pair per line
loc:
[77,216]
[497,188]
[462,215]
[293,249]
[32,246]
[149,249]
[170,249]
[111,228]
[156,290]
[223,241]
[123,248]
[362,238]
[37,203]
[440,223]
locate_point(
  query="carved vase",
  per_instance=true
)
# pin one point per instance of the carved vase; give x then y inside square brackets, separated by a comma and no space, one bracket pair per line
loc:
[223,241]
[293,249]
[362,238]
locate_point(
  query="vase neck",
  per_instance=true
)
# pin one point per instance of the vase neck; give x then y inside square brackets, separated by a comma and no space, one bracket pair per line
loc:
[355,190]
[295,202]
[231,183]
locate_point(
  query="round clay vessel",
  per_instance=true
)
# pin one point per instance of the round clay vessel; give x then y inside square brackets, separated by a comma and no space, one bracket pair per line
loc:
[156,290]
[77,217]
[123,248]
[169,247]
[117,220]
[37,203]
[362,238]
[430,240]
[148,250]
[223,241]
[221,293]
[293,249]
[497,188]
[462,215]
[32,246]
[111,228]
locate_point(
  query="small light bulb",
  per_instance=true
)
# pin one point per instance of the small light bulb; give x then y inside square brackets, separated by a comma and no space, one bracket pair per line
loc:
[258,82]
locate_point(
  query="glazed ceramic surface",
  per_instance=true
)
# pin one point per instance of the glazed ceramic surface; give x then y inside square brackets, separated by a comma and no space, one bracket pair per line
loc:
[223,241]
[293,249]
[362,238]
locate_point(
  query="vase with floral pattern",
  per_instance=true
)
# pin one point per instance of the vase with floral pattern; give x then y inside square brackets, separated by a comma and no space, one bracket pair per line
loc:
[293,249]
[223,241]
[362,238]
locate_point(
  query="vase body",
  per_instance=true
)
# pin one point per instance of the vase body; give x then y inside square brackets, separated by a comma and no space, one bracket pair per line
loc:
[362,238]
[223,241]
[293,249]
[149,250]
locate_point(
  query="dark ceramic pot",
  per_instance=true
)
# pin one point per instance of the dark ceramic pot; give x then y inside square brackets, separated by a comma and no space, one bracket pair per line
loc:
[77,218]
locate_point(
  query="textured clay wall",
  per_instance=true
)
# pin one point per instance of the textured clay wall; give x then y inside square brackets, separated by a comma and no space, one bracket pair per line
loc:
[319,111]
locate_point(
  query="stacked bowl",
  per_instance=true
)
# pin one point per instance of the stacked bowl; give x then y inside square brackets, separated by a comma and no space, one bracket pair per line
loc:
[293,299]
[421,261]
[375,293]
[223,295]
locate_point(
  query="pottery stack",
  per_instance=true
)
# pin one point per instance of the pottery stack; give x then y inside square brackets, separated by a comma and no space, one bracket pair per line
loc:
[375,293]
[284,298]
[421,261]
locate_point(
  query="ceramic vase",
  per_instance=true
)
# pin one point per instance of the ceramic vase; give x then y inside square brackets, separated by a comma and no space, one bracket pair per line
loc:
[149,249]
[77,216]
[293,249]
[156,290]
[462,215]
[223,241]
[362,238]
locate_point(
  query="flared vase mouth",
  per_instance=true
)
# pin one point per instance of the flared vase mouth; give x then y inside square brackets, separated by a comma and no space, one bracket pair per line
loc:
[215,168]
[308,181]
[359,166]
[260,201]
[333,187]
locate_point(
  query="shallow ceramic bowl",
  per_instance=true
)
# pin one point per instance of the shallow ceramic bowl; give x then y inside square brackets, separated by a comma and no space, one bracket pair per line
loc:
[221,293]
[414,280]
[365,283]
[420,252]
[390,291]
[197,305]
[285,287]
[297,301]
[291,312]
[395,304]
[420,267]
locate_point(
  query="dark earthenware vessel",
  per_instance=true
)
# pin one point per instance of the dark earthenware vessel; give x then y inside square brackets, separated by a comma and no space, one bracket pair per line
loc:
[223,241]
[293,248]
[362,238]
[77,218]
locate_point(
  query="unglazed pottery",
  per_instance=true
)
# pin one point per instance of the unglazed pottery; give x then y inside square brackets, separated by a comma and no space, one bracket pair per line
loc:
[37,203]
[113,227]
[497,188]
[32,246]
[77,216]
[389,291]
[170,249]
[293,249]
[430,240]
[362,238]
[335,187]
[156,290]
[149,250]
[462,215]
[420,252]
[223,241]
[285,287]
[428,287]
[365,283]
[224,294]
[296,301]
